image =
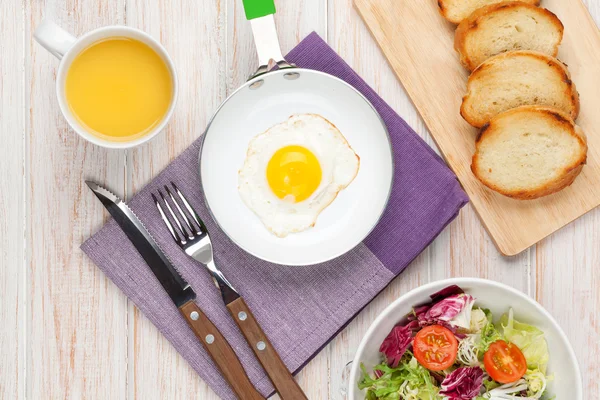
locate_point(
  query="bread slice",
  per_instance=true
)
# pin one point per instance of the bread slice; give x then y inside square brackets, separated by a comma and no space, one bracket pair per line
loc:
[529,152]
[506,26]
[457,10]
[515,79]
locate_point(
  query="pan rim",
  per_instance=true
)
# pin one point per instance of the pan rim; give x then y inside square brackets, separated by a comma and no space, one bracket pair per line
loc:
[272,74]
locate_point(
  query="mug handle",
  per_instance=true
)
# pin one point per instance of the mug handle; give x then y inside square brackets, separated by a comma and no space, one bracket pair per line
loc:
[53,38]
[260,14]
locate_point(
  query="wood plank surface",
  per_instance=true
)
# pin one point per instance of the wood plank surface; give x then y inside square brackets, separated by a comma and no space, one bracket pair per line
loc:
[76,319]
[12,203]
[68,333]
[418,43]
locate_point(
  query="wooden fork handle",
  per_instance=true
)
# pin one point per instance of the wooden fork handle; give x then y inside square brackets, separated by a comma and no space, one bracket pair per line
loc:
[220,351]
[282,379]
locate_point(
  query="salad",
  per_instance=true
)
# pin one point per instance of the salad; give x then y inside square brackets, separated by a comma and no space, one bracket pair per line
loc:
[450,349]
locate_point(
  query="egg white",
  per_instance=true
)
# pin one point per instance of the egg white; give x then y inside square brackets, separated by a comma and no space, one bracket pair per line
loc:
[339,166]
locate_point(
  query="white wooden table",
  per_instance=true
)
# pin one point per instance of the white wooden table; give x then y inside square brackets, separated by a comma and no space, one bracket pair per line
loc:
[66,332]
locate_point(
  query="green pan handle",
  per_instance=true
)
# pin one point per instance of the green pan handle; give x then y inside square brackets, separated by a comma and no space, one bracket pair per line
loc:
[258,8]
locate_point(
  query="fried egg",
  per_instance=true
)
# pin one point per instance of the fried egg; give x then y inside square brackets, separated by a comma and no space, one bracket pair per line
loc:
[294,170]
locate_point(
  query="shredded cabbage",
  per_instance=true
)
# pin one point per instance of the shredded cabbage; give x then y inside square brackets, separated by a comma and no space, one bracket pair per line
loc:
[507,391]
[533,383]
[468,352]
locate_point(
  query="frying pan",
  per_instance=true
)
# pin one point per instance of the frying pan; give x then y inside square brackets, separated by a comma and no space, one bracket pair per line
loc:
[270,97]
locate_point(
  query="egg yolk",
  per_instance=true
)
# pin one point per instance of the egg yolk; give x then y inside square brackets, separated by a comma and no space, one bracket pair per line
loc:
[294,173]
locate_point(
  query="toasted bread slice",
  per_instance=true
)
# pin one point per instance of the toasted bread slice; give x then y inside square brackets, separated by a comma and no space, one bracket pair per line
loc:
[518,78]
[529,152]
[507,26]
[457,10]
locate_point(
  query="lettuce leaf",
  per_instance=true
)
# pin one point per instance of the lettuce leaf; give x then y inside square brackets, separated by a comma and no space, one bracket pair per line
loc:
[490,384]
[536,383]
[409,381]
[479,320]
[488,335]
[529,339]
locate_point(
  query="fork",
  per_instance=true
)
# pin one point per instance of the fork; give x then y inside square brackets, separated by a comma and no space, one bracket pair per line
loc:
[191,235]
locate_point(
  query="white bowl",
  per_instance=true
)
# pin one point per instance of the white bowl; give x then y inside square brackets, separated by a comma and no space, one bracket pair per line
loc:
[567,383]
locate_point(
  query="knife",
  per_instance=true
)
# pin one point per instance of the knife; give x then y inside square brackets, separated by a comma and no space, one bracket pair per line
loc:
[180,292]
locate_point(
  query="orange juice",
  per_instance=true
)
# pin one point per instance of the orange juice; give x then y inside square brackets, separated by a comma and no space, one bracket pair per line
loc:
[119,89]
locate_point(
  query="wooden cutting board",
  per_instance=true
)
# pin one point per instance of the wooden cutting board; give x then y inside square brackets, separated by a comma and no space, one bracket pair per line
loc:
[418,43]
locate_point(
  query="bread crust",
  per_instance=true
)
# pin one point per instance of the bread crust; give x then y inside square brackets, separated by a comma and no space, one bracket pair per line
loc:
[474,21]
[570,91]
[570,172]
[445,11]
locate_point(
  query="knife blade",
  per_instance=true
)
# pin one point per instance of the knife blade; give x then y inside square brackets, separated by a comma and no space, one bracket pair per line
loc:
[180,292]
[175,286]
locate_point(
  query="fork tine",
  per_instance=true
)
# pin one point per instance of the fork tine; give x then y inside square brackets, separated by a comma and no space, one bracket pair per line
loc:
[187,205]
[166,220]
[183,215]
[181,228]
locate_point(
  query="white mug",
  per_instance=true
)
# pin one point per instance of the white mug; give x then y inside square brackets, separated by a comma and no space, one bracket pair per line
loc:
[66,47]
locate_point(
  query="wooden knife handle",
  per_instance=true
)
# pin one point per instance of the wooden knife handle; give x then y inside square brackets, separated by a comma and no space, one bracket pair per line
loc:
[220,351]
[283,381]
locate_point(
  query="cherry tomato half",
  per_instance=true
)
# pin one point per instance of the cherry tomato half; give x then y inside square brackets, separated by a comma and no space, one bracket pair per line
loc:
[435,347]
[504,362]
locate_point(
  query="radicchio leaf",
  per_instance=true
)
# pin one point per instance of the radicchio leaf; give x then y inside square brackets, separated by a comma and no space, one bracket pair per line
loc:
[463,319]
[446,310]
[413,326]
[395,344]
[418,311]
[446,292]
[463,384]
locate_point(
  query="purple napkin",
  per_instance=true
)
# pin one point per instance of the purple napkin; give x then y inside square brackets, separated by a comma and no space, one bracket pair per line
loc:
[300,308]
